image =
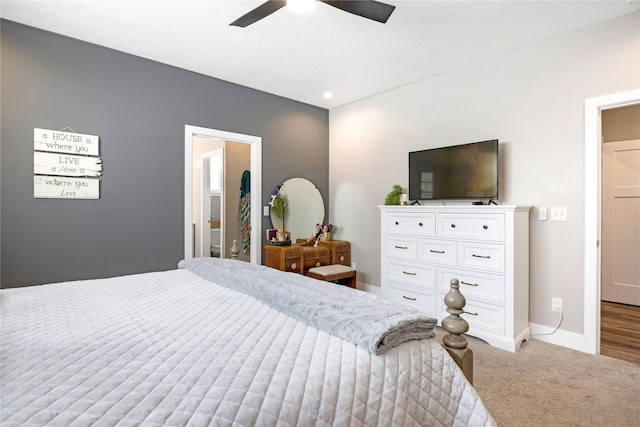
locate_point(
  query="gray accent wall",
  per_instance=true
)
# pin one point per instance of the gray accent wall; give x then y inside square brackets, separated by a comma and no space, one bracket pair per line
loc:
[139,109]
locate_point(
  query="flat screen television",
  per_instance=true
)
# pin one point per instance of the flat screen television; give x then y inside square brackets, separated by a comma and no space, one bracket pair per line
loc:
[468,171]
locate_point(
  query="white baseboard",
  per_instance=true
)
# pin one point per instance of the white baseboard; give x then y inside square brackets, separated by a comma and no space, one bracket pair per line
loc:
[369,288]
[562,338]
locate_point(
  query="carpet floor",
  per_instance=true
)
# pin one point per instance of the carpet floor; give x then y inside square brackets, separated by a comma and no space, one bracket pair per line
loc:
[548,385]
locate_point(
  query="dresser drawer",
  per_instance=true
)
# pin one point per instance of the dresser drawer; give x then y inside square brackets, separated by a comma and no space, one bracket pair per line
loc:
[474,285]
[421,276]
[480,316]
[316,256]
[423,301]
[340,251]
[342,257]
[284,258]
[485,227]
[441,252]
[400,247]
[481,256]
[412,224]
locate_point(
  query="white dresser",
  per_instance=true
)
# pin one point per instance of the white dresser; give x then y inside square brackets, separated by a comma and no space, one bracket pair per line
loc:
[485,247]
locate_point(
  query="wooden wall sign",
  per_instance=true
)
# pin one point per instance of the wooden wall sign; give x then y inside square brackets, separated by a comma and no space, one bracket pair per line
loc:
[66,164]
[59,155]
[65,142]
[56,187]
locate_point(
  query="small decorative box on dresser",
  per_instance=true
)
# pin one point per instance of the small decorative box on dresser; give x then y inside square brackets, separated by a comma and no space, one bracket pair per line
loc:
[485,247]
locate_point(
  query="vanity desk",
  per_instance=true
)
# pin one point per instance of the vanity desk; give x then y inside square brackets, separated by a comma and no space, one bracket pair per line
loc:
[299,258]
[301,208]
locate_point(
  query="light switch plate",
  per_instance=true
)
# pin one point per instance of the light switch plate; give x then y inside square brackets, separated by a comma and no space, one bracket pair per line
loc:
[265,210]
[542,214]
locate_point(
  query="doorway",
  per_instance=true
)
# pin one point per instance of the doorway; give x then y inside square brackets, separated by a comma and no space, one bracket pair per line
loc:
[255,144]
[620,229]
[593,211]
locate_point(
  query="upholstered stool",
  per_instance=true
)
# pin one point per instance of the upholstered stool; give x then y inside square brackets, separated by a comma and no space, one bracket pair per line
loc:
[334,273]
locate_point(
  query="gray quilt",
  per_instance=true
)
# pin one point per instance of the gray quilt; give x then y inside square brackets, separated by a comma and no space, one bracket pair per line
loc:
[374,323]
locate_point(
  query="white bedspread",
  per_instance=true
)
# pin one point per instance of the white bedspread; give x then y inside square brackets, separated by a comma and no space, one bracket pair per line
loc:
[173,349]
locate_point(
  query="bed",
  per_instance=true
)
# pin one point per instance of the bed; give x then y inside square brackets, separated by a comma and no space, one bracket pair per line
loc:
[221,343]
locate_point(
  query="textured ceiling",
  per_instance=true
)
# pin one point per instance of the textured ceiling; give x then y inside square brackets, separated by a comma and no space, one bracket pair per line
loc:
[301,56]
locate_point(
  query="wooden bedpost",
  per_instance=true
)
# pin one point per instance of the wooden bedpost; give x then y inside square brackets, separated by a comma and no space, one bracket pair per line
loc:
[234,250]
[454,342]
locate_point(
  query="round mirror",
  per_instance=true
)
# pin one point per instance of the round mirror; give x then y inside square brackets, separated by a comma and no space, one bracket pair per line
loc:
[303,208]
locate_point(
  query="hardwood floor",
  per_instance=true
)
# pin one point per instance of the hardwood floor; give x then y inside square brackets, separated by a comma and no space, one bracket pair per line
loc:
[620,331]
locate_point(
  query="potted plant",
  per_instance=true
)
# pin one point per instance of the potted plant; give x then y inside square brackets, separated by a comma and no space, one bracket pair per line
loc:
[393,198]
[277,205]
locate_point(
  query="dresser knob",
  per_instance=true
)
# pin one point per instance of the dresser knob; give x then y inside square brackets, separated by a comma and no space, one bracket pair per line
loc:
[397,223]
[485,227]
[294,266]
[318,264]
[341,258]
[420,224]
[453,226]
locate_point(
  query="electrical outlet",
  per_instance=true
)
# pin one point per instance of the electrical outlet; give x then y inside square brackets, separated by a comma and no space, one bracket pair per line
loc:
[353,265]
[265,210]
[556,304]
[558,214]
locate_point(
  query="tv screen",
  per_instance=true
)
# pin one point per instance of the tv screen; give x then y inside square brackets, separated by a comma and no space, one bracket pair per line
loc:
[468,171]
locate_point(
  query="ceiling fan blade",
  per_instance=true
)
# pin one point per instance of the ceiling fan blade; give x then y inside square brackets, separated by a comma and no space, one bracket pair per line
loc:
[370,9]
[265,9]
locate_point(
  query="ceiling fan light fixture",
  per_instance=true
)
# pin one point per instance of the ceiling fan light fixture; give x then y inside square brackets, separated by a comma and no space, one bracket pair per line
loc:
[301,6]
[370,9]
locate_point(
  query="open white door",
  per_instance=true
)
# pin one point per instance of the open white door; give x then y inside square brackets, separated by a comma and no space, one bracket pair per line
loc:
[621,222]
[212,176]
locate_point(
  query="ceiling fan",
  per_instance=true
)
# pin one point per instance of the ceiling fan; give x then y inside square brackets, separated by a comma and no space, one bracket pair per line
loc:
[369,9]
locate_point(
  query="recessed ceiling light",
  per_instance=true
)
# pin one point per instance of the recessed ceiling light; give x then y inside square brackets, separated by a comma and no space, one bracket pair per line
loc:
[327,95]
[301,6]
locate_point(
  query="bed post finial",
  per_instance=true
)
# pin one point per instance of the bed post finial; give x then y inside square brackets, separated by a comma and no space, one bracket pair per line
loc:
[454,342]
[235,250]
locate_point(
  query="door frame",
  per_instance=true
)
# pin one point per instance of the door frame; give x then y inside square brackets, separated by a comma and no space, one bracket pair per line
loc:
[256,184]
[593,108]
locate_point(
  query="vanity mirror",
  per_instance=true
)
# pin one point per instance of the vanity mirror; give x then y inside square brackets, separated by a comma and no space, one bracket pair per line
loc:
[303,208]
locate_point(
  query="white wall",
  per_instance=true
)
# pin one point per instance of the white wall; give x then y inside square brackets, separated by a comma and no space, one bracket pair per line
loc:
[532,100]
